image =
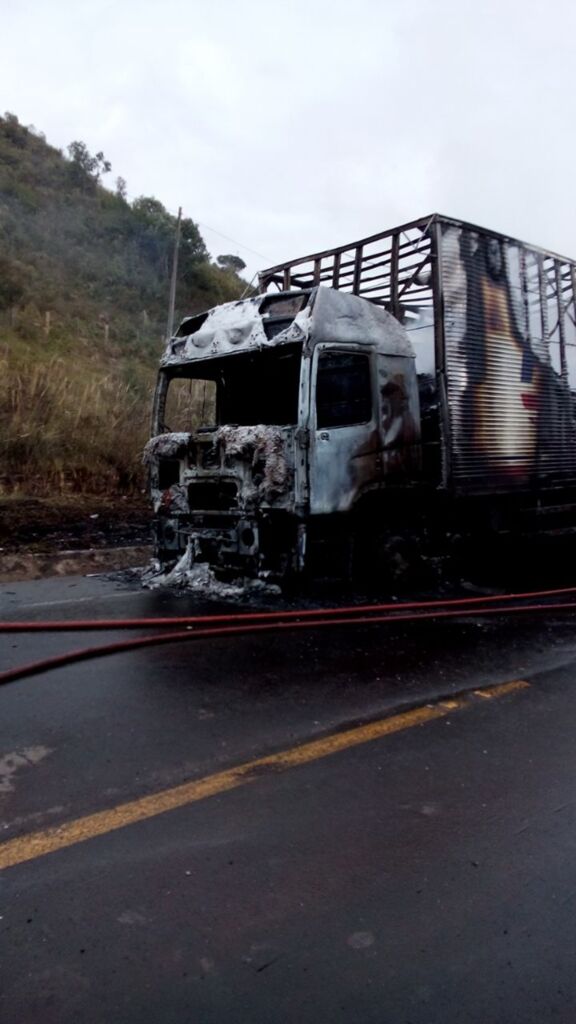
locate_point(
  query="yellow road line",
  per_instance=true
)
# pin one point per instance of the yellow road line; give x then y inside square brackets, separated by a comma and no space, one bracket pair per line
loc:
[37,844]
[500,690]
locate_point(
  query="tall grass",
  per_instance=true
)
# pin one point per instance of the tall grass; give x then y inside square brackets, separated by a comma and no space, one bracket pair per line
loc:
[71,423]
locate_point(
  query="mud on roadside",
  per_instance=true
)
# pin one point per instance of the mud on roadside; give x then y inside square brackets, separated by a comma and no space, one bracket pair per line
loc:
[46,526]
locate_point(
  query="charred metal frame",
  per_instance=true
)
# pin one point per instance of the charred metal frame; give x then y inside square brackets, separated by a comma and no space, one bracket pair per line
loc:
[487,301]
[400,269]
[389,269]
[397,269]
[384,268]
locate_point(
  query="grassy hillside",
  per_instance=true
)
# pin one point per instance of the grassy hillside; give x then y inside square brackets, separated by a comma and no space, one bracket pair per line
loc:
[84,279]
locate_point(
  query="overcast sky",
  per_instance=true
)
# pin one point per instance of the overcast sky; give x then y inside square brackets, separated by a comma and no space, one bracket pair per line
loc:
[297,126]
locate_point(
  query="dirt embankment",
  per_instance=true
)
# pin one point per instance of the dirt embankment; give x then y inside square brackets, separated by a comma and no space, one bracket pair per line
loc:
[73,523]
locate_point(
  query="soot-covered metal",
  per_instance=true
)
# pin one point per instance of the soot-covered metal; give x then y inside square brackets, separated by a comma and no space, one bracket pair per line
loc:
[240,491]
[493,325]
[417,382]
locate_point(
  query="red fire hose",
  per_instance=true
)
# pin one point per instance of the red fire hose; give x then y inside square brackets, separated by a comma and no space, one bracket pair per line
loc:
[260,622]
[84,625]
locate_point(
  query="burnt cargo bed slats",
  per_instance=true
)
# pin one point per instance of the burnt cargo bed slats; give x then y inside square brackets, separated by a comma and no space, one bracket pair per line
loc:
[504,316]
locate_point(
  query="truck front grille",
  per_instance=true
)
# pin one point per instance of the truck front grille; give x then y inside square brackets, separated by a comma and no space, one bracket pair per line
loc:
[212,495]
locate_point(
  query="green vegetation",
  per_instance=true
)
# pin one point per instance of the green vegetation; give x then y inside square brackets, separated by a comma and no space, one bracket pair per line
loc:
[71,420]
[84,280]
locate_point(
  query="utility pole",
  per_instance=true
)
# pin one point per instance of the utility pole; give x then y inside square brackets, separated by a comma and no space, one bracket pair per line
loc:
[172,303]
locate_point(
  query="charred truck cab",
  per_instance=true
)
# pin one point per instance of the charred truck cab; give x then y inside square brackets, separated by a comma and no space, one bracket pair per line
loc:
[408,389]
[273,417]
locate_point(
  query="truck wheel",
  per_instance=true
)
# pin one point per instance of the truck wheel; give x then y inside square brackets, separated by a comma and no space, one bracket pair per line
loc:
[385,559]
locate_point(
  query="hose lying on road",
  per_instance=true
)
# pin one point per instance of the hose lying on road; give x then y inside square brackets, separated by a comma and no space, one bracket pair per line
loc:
[85,625]
[251,623]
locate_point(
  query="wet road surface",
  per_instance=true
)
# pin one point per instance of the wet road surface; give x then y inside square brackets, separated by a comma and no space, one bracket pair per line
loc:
[420,874]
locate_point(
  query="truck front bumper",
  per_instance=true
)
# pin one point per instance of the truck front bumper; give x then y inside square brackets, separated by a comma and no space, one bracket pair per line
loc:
[269,543]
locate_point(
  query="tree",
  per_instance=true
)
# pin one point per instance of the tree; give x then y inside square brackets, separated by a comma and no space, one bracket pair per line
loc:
[193,254]
[156,236]
[230,262]
[121,188]
[192,245]
[155,229]
[12,283]
[85,167]
[151,209]
[13,130]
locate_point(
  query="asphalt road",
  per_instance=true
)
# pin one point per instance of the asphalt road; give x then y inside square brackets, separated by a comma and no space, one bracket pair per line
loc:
[400,853]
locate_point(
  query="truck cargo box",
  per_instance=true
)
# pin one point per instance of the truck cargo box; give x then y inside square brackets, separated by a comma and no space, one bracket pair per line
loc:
[493,324]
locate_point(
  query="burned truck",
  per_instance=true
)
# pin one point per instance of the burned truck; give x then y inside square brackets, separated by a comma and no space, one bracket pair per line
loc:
[372,400]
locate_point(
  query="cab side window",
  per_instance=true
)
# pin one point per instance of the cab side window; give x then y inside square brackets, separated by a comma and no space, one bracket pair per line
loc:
[343,389]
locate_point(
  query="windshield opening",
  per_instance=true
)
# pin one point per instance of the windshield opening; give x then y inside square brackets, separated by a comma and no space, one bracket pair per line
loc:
[241,390]
[190,405]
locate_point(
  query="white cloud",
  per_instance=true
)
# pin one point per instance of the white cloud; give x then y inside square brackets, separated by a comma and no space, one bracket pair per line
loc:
[319,122]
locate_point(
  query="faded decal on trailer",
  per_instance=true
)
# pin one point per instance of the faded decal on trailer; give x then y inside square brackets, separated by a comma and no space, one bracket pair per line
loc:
[510,407]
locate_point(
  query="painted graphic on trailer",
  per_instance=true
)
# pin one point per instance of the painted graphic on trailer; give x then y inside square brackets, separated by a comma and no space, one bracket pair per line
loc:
[510,340]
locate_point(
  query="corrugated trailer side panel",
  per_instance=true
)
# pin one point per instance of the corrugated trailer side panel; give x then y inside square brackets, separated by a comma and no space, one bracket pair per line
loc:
[510,362]
[493,324]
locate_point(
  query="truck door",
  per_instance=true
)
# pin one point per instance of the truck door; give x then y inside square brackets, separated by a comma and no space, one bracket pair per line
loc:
[344,439]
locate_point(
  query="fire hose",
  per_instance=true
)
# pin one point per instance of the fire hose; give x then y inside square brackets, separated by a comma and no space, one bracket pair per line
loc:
[198,627]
